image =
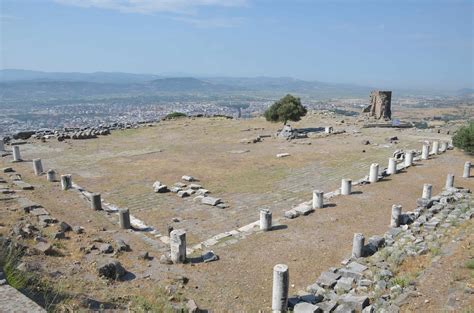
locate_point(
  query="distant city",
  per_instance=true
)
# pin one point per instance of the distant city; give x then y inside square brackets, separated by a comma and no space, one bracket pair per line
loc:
[35,100]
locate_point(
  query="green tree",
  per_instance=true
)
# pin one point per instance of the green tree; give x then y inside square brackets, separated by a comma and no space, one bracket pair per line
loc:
[464,138]
[288,108]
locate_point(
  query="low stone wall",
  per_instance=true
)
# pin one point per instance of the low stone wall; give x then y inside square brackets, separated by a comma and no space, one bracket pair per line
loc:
[13,301]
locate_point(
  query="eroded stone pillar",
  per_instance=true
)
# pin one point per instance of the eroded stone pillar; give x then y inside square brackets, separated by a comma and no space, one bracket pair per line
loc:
[37,167]
[51,175]
[425,152]
[374,173]
[427,191]
[16,154]
[392,166]
[178,246]
[443,147]
[346,187]
[408,158]
[265,220]
[318,199]
[124,218]
[449,181]
[66,182]
[281,282]
[96,202]
[395,218]
[435,149]
[358,245]
[467,170]
[328,129]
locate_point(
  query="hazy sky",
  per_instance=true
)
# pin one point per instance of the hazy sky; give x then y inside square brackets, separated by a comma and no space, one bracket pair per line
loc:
[380,43]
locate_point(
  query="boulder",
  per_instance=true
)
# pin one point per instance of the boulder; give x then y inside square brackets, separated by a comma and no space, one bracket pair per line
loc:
[110,269]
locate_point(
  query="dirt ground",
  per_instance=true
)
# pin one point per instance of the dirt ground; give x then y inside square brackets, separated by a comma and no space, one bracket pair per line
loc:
[124,165]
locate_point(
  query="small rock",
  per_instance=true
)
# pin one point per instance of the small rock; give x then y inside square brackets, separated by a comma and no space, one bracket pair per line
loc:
[144,256]
[78,229]
[64,227]
[121,245]
[209,256]
[106,248]
[111,269]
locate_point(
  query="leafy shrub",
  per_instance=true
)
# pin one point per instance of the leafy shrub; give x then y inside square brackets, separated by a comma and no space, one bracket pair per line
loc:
[288,108]
[175,115]
[464,138]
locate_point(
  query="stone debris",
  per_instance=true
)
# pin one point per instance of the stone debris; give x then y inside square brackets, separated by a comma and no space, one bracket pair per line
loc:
[158,187]
[348,289]
[44,248]
[110,269]
[251,140]
[188,178]
[282,155]
[211,201]
[209,256]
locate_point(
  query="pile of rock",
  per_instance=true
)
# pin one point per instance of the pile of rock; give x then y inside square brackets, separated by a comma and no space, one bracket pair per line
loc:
[370,275]
[288,133]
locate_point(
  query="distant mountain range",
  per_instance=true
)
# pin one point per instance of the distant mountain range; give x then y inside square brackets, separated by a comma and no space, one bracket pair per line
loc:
[16,83]
[22,85]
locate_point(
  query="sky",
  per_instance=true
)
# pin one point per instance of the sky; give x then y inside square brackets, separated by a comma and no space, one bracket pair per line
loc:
[388,44]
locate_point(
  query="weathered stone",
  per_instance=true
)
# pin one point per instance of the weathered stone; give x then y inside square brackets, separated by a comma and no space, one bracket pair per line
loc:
[78,229]
[346,186]
[318,199]
[111,269]
[64,227]
[291,214]
[121,245]
[355,302]
[344,308]
[124,219]
[265,220]
[209,256]
[195,186]
[44,248]
[96,202]
[280,288]
[192,307]
[380,105]
[303,209]
[358,245]
[158,187]
[106,248]
[66,182]
[178,246]
[183,194]
[211,201]
[188,178]
[304,307]
[59,235]
[327,306]
[328,279]
[344,284]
